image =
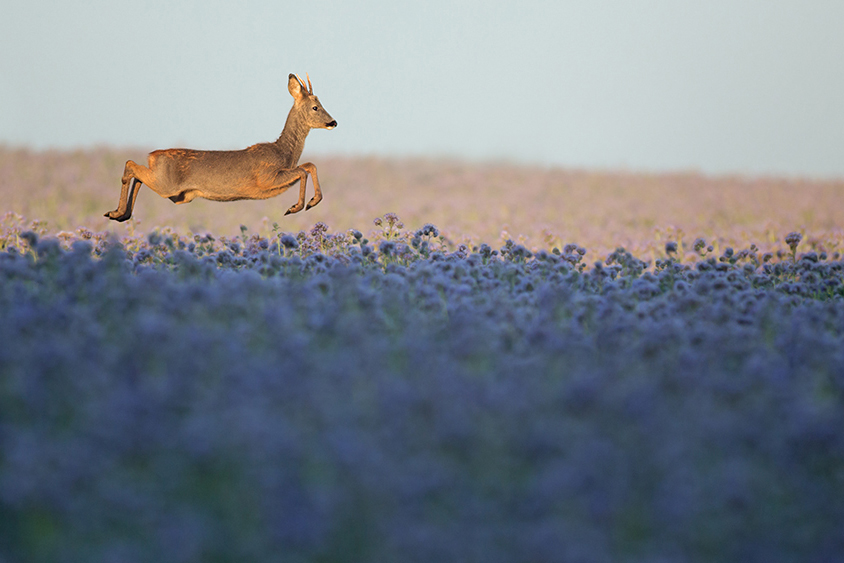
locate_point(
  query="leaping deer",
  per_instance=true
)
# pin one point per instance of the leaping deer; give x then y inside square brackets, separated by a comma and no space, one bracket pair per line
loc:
[258,172]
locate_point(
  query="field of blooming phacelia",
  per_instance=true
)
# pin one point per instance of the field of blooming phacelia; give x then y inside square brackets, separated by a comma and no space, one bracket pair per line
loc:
[400,395]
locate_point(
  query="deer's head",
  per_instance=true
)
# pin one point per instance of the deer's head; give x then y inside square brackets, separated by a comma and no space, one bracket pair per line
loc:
[308,105]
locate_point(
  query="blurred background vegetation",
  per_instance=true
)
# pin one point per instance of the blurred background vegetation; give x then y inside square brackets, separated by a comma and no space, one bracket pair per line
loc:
[470,201]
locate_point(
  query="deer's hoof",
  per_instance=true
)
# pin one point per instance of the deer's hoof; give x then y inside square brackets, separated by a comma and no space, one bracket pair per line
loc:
[116,216]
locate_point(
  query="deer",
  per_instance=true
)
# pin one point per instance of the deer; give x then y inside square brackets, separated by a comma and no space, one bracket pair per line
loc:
[261,171]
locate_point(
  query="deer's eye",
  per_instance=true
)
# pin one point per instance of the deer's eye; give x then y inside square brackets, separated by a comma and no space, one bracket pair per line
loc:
[315,108]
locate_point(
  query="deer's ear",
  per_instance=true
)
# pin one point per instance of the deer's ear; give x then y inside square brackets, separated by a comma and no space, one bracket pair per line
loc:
[296,88]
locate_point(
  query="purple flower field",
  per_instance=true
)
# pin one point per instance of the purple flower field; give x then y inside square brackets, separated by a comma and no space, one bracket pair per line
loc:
[391,390]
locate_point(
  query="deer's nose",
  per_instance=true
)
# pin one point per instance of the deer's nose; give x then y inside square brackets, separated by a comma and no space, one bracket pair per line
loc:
[331,125]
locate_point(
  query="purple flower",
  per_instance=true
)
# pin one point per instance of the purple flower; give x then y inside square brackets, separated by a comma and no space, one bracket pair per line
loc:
[289,242]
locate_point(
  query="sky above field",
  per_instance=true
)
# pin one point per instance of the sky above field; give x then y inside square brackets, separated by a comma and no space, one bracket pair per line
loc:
[722,86]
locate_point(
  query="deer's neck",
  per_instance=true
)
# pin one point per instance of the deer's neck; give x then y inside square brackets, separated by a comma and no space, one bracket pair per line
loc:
[292,139]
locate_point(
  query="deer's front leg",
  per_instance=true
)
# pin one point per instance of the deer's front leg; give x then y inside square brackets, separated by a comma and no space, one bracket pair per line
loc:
[311,169]
[303,182]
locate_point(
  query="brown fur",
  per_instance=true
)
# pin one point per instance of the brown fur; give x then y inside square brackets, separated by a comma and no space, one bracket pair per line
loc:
[258,172]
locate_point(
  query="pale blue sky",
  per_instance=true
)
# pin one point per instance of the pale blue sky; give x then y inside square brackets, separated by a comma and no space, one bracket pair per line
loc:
[721,86]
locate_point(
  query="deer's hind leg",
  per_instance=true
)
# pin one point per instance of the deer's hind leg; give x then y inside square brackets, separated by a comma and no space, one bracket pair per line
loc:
[134,175]
[128,192]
